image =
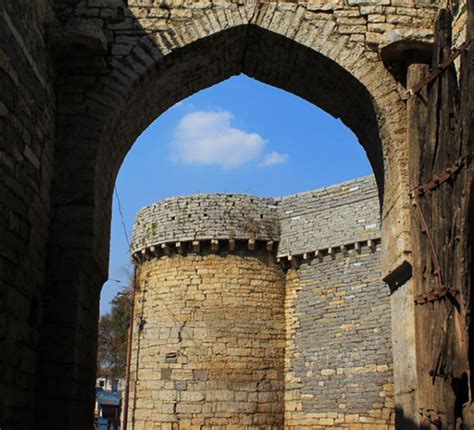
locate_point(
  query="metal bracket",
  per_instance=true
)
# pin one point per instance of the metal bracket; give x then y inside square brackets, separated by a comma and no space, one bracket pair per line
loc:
[440,68]
[435,296]
[437,180]
[420,191]
[399,276]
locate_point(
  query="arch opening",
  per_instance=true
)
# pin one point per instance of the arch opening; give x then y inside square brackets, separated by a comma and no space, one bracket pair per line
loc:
[258,53]
[153,301]
[122,104]
[151,288]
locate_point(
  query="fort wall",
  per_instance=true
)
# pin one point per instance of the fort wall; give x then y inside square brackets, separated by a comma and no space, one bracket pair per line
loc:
[338,367]
[280,296]
[210,351]
[332,216]
[81,79]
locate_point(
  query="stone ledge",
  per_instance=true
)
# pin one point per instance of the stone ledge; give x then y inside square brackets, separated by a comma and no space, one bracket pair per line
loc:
[294,260]
[203,246]
[213,245]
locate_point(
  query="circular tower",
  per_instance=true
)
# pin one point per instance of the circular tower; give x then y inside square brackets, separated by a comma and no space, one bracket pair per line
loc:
[208,339]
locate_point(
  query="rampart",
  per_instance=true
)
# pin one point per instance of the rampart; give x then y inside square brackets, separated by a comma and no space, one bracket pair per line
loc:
[262,312]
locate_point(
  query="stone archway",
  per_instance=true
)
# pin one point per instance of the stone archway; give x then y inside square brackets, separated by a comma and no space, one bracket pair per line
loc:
[136,61]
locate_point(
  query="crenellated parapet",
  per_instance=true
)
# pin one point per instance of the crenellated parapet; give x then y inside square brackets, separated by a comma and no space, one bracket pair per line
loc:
[339,219]
[206,221]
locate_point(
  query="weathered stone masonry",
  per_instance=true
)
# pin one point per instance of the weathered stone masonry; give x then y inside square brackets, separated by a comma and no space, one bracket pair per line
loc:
[27,116]
[211,348]
[261,313]
[81,79]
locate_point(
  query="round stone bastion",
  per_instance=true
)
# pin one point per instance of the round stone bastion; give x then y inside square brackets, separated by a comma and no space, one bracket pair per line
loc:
[208,343]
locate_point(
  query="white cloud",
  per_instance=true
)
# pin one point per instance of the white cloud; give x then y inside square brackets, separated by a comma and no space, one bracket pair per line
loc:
[274,158]
[208,138]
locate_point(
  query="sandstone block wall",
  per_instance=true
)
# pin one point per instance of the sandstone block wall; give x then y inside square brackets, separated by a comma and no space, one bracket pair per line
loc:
[262,313]
[209,349]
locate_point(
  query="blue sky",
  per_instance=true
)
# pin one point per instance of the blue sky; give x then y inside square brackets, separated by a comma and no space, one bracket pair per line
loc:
[240,136]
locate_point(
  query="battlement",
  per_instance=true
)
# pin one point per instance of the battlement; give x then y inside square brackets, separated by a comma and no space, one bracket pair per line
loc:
[325,221]
[206,217]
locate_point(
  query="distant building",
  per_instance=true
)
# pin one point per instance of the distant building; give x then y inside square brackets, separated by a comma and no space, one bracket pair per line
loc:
[108,403]
[110,384]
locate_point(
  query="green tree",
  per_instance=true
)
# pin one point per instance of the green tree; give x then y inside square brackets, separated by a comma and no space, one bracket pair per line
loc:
[113,335]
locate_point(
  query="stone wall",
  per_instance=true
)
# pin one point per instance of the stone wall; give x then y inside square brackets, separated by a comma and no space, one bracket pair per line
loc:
[338,367]
[206,216]
[202,274]
[459,24]
[27,103]
[337,215]
[209,343]
[303,222]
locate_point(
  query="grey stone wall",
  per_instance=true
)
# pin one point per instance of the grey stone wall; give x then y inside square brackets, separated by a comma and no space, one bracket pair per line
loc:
[206,216]
[331,216]
[338,358]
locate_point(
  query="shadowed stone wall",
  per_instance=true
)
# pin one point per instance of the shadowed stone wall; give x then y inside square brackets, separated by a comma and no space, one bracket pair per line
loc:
[219,323]
[27,115]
